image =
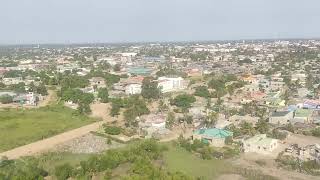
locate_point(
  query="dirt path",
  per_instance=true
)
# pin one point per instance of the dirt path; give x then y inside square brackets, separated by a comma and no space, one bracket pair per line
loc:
[101,110]
[49,99]
[49,143]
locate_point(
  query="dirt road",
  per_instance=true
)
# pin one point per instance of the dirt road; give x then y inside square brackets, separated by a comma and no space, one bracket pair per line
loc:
[49,143]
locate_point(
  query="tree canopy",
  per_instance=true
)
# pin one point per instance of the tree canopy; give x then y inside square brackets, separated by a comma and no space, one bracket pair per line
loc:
[183,100]
[149,89]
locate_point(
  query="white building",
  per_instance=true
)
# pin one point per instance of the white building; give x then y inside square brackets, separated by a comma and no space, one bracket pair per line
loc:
[133,89]
[260,144]
[171,84]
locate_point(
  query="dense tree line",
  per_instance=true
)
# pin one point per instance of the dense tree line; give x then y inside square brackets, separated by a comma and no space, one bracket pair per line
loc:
[134,106]
[141,156]
[77,96]
[183,101]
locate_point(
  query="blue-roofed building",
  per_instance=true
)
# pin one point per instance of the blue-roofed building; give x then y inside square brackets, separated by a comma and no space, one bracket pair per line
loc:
[142,71]
[213,136]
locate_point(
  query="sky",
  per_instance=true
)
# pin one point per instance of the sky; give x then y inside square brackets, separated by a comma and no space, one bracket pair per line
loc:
[105,21]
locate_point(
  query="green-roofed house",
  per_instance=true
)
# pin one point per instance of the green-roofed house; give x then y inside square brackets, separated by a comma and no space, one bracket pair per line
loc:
[260,144]
[213,136]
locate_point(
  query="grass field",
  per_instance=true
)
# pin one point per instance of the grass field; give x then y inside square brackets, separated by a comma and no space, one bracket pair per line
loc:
[19,127]
[50,160]
[178,159]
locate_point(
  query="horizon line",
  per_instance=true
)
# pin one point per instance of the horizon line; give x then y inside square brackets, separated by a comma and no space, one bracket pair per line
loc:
[159,41]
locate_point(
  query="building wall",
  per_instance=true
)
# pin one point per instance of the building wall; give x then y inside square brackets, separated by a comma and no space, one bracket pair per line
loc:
[263,149]
[133,89]
[170,84]
[217,142]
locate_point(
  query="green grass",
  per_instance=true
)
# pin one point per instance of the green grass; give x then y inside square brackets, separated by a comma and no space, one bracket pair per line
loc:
[178,159]
[49,161]
[19,127]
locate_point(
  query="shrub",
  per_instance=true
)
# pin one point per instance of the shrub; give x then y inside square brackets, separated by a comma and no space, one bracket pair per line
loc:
[112,130]
[6,99]
[109,141]
[316,132]
[206,153]
[63,172]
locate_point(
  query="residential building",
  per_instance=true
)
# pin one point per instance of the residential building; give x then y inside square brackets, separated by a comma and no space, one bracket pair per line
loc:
[153,125]
[281,117]
[167,84]
[27,98]
[213,136]
[131,89]
[259,144]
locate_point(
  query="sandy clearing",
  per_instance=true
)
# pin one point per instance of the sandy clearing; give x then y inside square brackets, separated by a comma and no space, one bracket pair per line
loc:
[49,143]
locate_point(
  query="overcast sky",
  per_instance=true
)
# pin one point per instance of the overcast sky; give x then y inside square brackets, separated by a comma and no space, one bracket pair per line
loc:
[81,21]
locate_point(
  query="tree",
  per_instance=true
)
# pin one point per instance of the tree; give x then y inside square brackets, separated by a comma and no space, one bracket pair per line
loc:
[112,130]
[262,126]
[236,131]
[135,107]
[247,129]
[183,101]
[289,127]
[103,95]
[2,85]
[202,91]
[18,88]
[41,89]
[162,106]
[115,109]
[211,119]
[83,108]
[316,132]
[149,89]
[6,99]
[170,120]
[117,67]
[32,87]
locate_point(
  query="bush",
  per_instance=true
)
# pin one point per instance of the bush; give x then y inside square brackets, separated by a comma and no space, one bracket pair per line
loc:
[206,153]
[316,132]
[6,99]
[112,130]
[63,172]
[202,91]
[183,100]
[278,135]
[230,152]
